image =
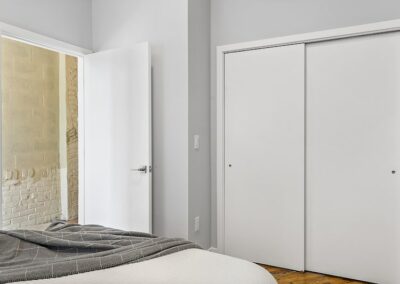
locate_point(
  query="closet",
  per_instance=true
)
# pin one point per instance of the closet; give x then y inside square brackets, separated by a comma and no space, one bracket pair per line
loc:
[353,157]
[264,134]
[309,154]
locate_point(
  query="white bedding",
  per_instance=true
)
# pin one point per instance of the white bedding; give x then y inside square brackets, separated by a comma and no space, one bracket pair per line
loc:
[192,266]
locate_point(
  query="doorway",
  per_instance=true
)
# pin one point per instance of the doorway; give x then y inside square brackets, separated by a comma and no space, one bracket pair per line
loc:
[40,179]
[112,136]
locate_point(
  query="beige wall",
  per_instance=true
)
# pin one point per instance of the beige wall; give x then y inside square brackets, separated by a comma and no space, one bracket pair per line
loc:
[72,135]
[30,107]
[31,184]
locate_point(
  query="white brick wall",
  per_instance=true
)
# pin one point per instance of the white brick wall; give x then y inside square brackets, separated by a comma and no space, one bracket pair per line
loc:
[33,200]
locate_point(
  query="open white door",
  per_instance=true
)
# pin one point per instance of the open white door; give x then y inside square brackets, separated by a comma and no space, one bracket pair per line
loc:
[117,115]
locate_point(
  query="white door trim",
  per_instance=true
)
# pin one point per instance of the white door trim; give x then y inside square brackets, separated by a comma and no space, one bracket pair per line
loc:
[368,29]
[39,40]
[32,38]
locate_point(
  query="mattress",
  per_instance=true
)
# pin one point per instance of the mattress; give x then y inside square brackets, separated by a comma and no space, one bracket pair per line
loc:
[192,266]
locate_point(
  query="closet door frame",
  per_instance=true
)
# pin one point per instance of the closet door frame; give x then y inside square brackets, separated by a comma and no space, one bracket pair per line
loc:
[348,32]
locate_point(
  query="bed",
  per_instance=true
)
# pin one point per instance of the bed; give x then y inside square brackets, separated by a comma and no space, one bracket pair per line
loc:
[95,254]
[192,266]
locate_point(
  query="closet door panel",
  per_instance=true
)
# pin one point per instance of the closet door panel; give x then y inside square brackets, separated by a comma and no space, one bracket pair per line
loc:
[264,154]
[352,173]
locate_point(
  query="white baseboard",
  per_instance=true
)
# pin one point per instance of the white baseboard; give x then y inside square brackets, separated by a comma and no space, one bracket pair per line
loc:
[213,249]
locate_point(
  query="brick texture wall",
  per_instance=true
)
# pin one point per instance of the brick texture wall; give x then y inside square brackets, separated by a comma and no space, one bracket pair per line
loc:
[31,201]
[72,135]
[30,183]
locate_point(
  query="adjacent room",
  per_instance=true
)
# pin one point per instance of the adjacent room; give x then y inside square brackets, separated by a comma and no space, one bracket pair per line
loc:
[200,141]
[39,136]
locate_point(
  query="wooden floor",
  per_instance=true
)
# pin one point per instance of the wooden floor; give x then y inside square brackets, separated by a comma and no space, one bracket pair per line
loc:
[284,276]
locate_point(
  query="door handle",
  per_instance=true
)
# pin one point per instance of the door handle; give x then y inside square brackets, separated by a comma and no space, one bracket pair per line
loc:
[141,169]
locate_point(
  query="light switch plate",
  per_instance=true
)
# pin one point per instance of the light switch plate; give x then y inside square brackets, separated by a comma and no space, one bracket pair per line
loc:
[196,142]
[197,224]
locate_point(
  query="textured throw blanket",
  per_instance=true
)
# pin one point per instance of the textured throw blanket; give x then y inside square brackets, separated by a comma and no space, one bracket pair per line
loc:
[69,249]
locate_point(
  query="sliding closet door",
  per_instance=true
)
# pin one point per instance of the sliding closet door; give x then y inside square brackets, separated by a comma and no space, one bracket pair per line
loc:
[353,158]
[264,155]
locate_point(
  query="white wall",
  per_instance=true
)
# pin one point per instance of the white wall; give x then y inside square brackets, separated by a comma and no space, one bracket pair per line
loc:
[243,20]
[165,25]
[199,120]
[65,20]
[179,35]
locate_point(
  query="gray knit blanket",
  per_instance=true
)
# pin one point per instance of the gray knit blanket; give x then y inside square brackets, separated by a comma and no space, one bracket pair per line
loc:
[64,249]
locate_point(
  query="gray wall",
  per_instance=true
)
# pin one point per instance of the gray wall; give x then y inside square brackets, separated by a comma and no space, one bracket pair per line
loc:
[235,21]
[68,21]
[199,120]
[165,25]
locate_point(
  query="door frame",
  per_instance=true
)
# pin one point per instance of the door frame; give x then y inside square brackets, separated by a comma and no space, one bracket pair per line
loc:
[16,33]
[347,32]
